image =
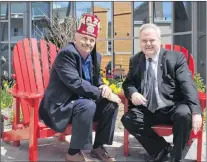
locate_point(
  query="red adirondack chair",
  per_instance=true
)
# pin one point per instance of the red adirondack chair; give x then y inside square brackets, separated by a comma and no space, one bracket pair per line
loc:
[166,130]
[31,64]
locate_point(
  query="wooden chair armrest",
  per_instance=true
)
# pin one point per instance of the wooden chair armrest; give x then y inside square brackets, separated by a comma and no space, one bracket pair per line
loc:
[15,93]
[202,98]
[122,97]
[124,100]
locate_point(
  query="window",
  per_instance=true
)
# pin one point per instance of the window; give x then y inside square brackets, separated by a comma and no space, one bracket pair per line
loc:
[40,11]
[183,16]
[4,10]
[103,11]
[141,16]
[18,11]
[141,12]
[4,31]
[162,11]
[62,9]
[83,7]
[15,31]
[109,46]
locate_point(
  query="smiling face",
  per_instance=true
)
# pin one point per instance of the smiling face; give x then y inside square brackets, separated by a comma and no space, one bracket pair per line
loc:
[149,42]
[84,44]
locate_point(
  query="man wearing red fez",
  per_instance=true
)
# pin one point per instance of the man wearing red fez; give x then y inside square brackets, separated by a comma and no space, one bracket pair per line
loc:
[77,95]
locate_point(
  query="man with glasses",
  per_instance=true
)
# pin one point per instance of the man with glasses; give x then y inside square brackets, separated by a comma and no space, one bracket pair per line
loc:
[160,90]
[77,95]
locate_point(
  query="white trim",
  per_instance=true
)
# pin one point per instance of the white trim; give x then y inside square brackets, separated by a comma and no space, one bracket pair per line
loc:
[9,38]
[116,53]
[122,53]
[129,38]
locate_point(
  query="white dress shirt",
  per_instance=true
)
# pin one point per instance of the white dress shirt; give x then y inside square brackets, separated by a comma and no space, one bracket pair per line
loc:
[154,62]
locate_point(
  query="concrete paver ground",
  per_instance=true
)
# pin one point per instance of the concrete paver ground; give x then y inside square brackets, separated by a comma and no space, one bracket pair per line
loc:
[51,149]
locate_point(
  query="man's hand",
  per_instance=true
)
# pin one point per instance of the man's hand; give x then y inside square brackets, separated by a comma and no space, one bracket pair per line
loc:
[138,99]
[197,122]
[114,98]
[106,91]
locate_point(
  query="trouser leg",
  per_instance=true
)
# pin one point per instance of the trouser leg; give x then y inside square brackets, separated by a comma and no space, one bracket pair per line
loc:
[106,114]
[182,125]
[82,119]
[138,121]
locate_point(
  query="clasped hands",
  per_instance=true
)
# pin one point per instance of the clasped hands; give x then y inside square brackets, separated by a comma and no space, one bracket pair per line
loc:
[107,93]
[139,99]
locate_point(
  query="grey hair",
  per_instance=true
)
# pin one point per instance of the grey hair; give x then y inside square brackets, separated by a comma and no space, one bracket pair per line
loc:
[151,26]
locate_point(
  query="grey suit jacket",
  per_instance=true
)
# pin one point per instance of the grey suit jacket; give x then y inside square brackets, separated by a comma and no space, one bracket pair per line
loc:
[175,83]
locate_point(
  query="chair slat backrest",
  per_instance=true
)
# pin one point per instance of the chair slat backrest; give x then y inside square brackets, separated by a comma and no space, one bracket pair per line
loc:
[188,56]
[45,62]
[31,67]
[17,65]
[53,53]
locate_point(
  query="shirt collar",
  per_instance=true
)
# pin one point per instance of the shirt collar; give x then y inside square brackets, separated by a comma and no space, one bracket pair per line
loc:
[155,57]
[88,59]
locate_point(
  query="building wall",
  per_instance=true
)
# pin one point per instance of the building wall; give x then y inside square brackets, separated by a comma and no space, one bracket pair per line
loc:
[122,26]
[101,46]
[122,29]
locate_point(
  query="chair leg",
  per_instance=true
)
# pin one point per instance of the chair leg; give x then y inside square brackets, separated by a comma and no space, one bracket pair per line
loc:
[62,137]
[33,150]
[189,142]
[16,118]
[199,146]
[33,131]
[16,143]
[126,143]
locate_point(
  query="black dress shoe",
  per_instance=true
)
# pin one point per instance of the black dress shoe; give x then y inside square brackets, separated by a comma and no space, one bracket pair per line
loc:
[162,155]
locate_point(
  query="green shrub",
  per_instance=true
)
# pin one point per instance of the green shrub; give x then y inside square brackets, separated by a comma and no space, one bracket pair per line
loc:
[6,98]
[199,83]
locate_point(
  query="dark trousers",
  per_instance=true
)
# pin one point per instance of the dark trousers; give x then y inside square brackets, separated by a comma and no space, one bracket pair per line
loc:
[86,111]
[138,121]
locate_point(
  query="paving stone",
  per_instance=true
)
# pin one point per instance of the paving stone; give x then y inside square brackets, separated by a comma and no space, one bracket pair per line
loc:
[51,149]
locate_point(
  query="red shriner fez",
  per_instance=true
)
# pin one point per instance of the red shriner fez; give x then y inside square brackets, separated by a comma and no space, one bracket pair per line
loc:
[89,24]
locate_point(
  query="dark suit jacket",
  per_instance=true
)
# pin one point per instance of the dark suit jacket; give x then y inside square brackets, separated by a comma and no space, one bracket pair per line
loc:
[175,83]
[66,84]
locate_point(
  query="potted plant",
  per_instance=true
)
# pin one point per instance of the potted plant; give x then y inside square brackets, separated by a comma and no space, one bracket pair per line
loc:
[6,98]
[199,83]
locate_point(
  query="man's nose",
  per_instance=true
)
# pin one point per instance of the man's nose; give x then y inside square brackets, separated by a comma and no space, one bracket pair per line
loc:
[88,42]
[148,43]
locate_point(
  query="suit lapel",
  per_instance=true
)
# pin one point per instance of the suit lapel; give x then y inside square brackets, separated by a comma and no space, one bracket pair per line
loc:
[91,71]
[142,70]
[74,50]
[160,67]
